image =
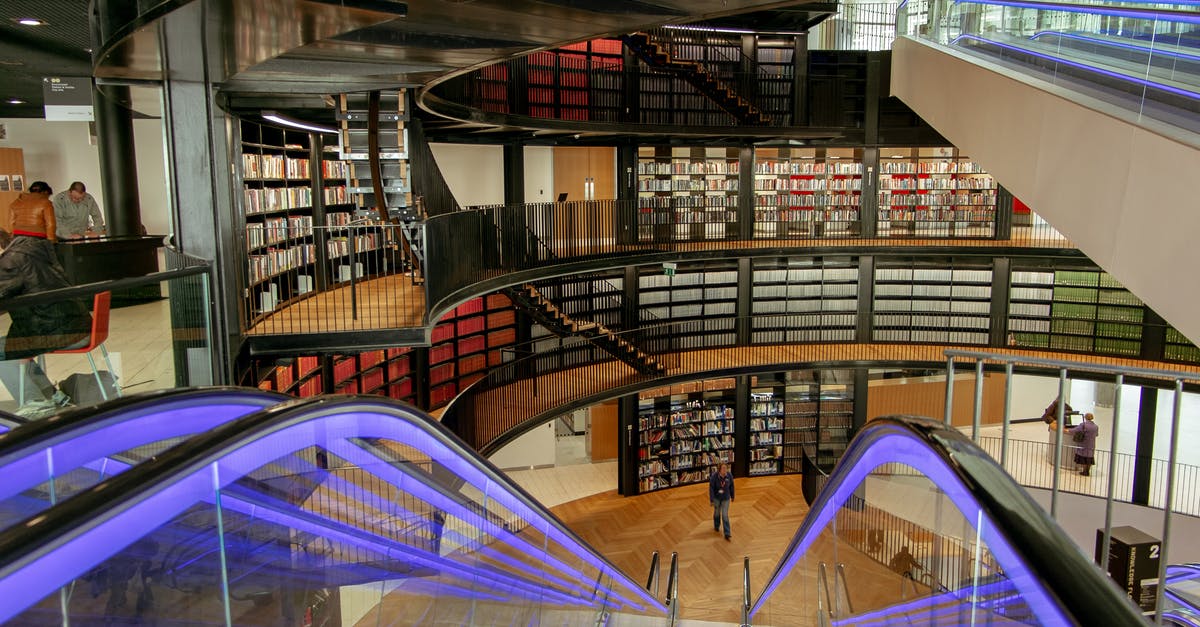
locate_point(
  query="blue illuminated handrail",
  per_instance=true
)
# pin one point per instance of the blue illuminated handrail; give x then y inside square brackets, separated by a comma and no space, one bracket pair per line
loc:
[1083,66]
[83,436]
[1156,49]
[1162,15]
[65,541]
[1042,564]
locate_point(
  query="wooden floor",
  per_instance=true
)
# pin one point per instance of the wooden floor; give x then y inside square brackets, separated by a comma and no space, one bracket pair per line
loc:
[764,516]
[393,302]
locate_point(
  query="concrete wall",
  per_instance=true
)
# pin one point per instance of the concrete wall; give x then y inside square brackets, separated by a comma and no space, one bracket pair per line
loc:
[535,448]
[539,174]
[474,173]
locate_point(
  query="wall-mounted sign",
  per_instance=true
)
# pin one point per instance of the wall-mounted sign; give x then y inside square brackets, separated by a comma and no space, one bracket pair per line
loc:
[68,98]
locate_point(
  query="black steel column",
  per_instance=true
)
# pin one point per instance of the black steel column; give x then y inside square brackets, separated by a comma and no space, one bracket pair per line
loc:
[511,219]
[745,206]
[866,299]
[1004,213]
[745,299]
[1143,460]
[514,173]
[627,447]
[201,185]
[868,208]
[627,210]
[873,95]
[800,81]
[741,427]
[118,161]
[1001,271]
[629,300]
[862,381]
[1154,335]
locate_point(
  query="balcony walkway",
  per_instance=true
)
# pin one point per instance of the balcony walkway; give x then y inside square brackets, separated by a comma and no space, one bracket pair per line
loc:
[394,302]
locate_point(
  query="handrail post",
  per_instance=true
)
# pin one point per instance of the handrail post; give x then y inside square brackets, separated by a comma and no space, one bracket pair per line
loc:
[840,575]
[1008,371]
[652,579]
[746,591]
[1168,502]
[1112,470]
[949,390]
[1058,441]
[976,417]
[672,599]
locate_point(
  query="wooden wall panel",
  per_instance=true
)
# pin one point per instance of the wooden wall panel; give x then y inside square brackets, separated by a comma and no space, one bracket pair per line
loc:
[926,396]
[12,161]
[606,431]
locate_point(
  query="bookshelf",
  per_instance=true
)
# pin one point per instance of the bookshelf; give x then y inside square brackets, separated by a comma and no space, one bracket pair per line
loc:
[942,301]
[683,433]
[776,77]
[805,299]
[934,192]
[817,412]
[807,192]
[385,372]
[1074,310]
[579,82]
[700,301]
[837,88]
[290,193]
[1178,348]
[765,447]
[466,342]
[687,193]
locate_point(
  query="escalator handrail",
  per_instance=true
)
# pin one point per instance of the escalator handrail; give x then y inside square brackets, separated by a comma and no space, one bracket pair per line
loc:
[1071,581]
[37,435]
[66,524]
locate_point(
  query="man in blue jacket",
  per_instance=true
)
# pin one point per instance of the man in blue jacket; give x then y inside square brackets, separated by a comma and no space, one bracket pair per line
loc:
[720,493]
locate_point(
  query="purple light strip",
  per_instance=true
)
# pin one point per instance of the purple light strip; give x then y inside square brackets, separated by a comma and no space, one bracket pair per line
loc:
[25,469]
[895,447]
[28,580]
[1090,9]
[338,532]
[497,493]
[1117,44]
[404,482]
[923,604]
[1083,66]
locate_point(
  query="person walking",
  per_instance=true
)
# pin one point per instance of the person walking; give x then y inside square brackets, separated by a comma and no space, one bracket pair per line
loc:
[1084,437]
[720,494]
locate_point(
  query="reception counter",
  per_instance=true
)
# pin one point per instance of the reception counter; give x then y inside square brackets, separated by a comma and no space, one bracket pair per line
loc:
[107,258]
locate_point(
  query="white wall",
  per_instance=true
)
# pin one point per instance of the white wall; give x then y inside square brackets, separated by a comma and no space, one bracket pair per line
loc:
[474,173]
[539,173]
[535,448]
[60,152]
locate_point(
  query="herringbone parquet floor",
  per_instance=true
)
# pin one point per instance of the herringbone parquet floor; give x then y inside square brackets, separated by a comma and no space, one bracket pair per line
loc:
[765,514]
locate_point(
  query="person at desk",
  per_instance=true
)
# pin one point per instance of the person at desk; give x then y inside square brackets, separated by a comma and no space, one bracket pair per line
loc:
[77,213]
[29,265]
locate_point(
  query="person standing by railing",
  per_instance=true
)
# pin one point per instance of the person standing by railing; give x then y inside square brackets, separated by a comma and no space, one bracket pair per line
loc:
[1084,436]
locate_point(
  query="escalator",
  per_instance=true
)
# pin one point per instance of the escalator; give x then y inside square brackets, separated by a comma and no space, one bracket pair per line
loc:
[918,526]
[47,461]
[329,511]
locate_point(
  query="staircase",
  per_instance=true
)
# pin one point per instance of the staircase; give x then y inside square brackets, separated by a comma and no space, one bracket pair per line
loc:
[546,313]
[696,75]
[373,142]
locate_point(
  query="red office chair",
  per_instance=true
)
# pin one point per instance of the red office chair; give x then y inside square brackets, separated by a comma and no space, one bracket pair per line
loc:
[100,313]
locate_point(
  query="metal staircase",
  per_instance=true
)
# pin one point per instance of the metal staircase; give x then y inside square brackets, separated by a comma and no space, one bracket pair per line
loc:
[546,313]
[373,141]
[657,56]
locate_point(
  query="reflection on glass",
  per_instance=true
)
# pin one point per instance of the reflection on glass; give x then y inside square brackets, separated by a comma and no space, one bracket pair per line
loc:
[1144,57]
[902,542]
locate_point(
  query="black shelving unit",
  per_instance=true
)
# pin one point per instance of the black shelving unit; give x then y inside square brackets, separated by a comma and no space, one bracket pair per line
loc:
[929,300]
[807,192]
[701,298]
[682,438]
[1074,310]
[805,299]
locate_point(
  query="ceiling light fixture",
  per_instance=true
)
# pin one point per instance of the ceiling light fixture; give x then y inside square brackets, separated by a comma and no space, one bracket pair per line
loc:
[29,21]
[286,121]
[15,101]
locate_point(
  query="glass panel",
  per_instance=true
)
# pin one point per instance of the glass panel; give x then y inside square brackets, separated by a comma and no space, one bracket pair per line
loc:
[895,544]
[150,337]
[171,574]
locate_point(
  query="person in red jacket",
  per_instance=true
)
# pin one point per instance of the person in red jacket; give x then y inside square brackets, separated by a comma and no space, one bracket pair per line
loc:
[29,265]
